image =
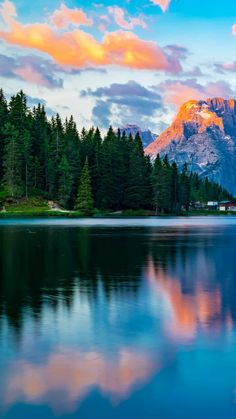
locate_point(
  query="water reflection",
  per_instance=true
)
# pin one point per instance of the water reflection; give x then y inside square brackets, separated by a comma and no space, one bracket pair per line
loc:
[187,311]
[73,374]
[105,313]
[50,262]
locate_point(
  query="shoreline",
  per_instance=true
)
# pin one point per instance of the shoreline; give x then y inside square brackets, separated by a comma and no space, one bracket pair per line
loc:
[128,214]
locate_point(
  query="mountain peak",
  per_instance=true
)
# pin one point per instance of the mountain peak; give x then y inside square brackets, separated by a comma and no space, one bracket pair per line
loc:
[202,113]
[204,135]
[147,136]
[216,105]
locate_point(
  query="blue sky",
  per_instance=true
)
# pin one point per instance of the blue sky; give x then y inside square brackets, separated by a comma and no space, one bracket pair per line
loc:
[185,8]
[117,62]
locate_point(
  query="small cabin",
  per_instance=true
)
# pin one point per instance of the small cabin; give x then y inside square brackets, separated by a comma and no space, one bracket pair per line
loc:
[227,206]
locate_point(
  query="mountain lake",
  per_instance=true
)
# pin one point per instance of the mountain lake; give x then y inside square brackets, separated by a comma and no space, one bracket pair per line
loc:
[118,318]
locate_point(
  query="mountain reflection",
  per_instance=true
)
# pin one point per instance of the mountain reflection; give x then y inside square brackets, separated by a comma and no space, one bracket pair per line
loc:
[87,311]
[73,375]
[194,273]
[188,311]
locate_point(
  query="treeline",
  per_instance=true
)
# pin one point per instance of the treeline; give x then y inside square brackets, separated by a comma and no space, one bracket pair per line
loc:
[174,190]
[82,170]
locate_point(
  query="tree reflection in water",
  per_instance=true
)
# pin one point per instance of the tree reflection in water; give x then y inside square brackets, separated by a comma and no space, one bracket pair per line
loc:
[101,308]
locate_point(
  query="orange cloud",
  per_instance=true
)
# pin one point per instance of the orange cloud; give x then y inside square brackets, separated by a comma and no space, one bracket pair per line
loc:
[80,49]
[164,4]
[72,375]
[234,29]
[119,17]
[63,17]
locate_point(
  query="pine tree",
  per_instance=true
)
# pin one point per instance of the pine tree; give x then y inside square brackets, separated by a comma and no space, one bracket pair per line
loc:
[12,179]
[95,166]
[3,121]
[184,190]
[20,119]
[175,205]
[106,199]
[65,182]
[55,153]
[157,184]
[138,176]
[85,202]
[27,154]
[166,186]
[40,148]
[73,155]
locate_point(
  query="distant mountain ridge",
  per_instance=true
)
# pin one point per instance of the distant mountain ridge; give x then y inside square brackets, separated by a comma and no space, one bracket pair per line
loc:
[147,136]
[203,134]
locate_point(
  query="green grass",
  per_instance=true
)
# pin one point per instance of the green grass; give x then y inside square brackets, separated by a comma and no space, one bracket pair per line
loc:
[27,205]
[38,207]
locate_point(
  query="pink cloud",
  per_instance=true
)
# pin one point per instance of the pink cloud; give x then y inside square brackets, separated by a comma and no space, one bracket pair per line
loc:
[80,49]
[31,69]
[30,75]
[178,92]
[7,11]
[234,29]
[119,17]
[221,68]
[163,4]
[63,17]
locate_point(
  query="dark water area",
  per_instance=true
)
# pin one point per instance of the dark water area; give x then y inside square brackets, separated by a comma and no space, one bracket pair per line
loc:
[118,319]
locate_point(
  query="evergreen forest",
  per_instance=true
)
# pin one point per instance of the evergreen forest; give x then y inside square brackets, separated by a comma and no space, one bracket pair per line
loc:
[84,170]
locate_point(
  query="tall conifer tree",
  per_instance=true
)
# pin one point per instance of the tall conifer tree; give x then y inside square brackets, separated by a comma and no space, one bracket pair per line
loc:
[85,202]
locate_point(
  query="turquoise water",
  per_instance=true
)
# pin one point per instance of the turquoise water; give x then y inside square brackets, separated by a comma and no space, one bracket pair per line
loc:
[118,318]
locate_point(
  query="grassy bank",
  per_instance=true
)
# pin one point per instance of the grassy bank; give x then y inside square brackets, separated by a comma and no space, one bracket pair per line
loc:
[39,207]
[39,212]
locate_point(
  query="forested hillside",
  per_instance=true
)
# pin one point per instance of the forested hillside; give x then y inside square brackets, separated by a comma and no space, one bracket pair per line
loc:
[81,170]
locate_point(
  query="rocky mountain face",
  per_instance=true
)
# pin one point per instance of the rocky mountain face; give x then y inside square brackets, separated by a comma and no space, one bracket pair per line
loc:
[203,134]
[147,136]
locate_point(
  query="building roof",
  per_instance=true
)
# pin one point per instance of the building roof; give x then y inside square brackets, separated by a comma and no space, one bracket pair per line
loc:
[228,204]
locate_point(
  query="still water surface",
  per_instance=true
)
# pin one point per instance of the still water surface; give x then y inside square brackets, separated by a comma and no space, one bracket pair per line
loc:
[118,318]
